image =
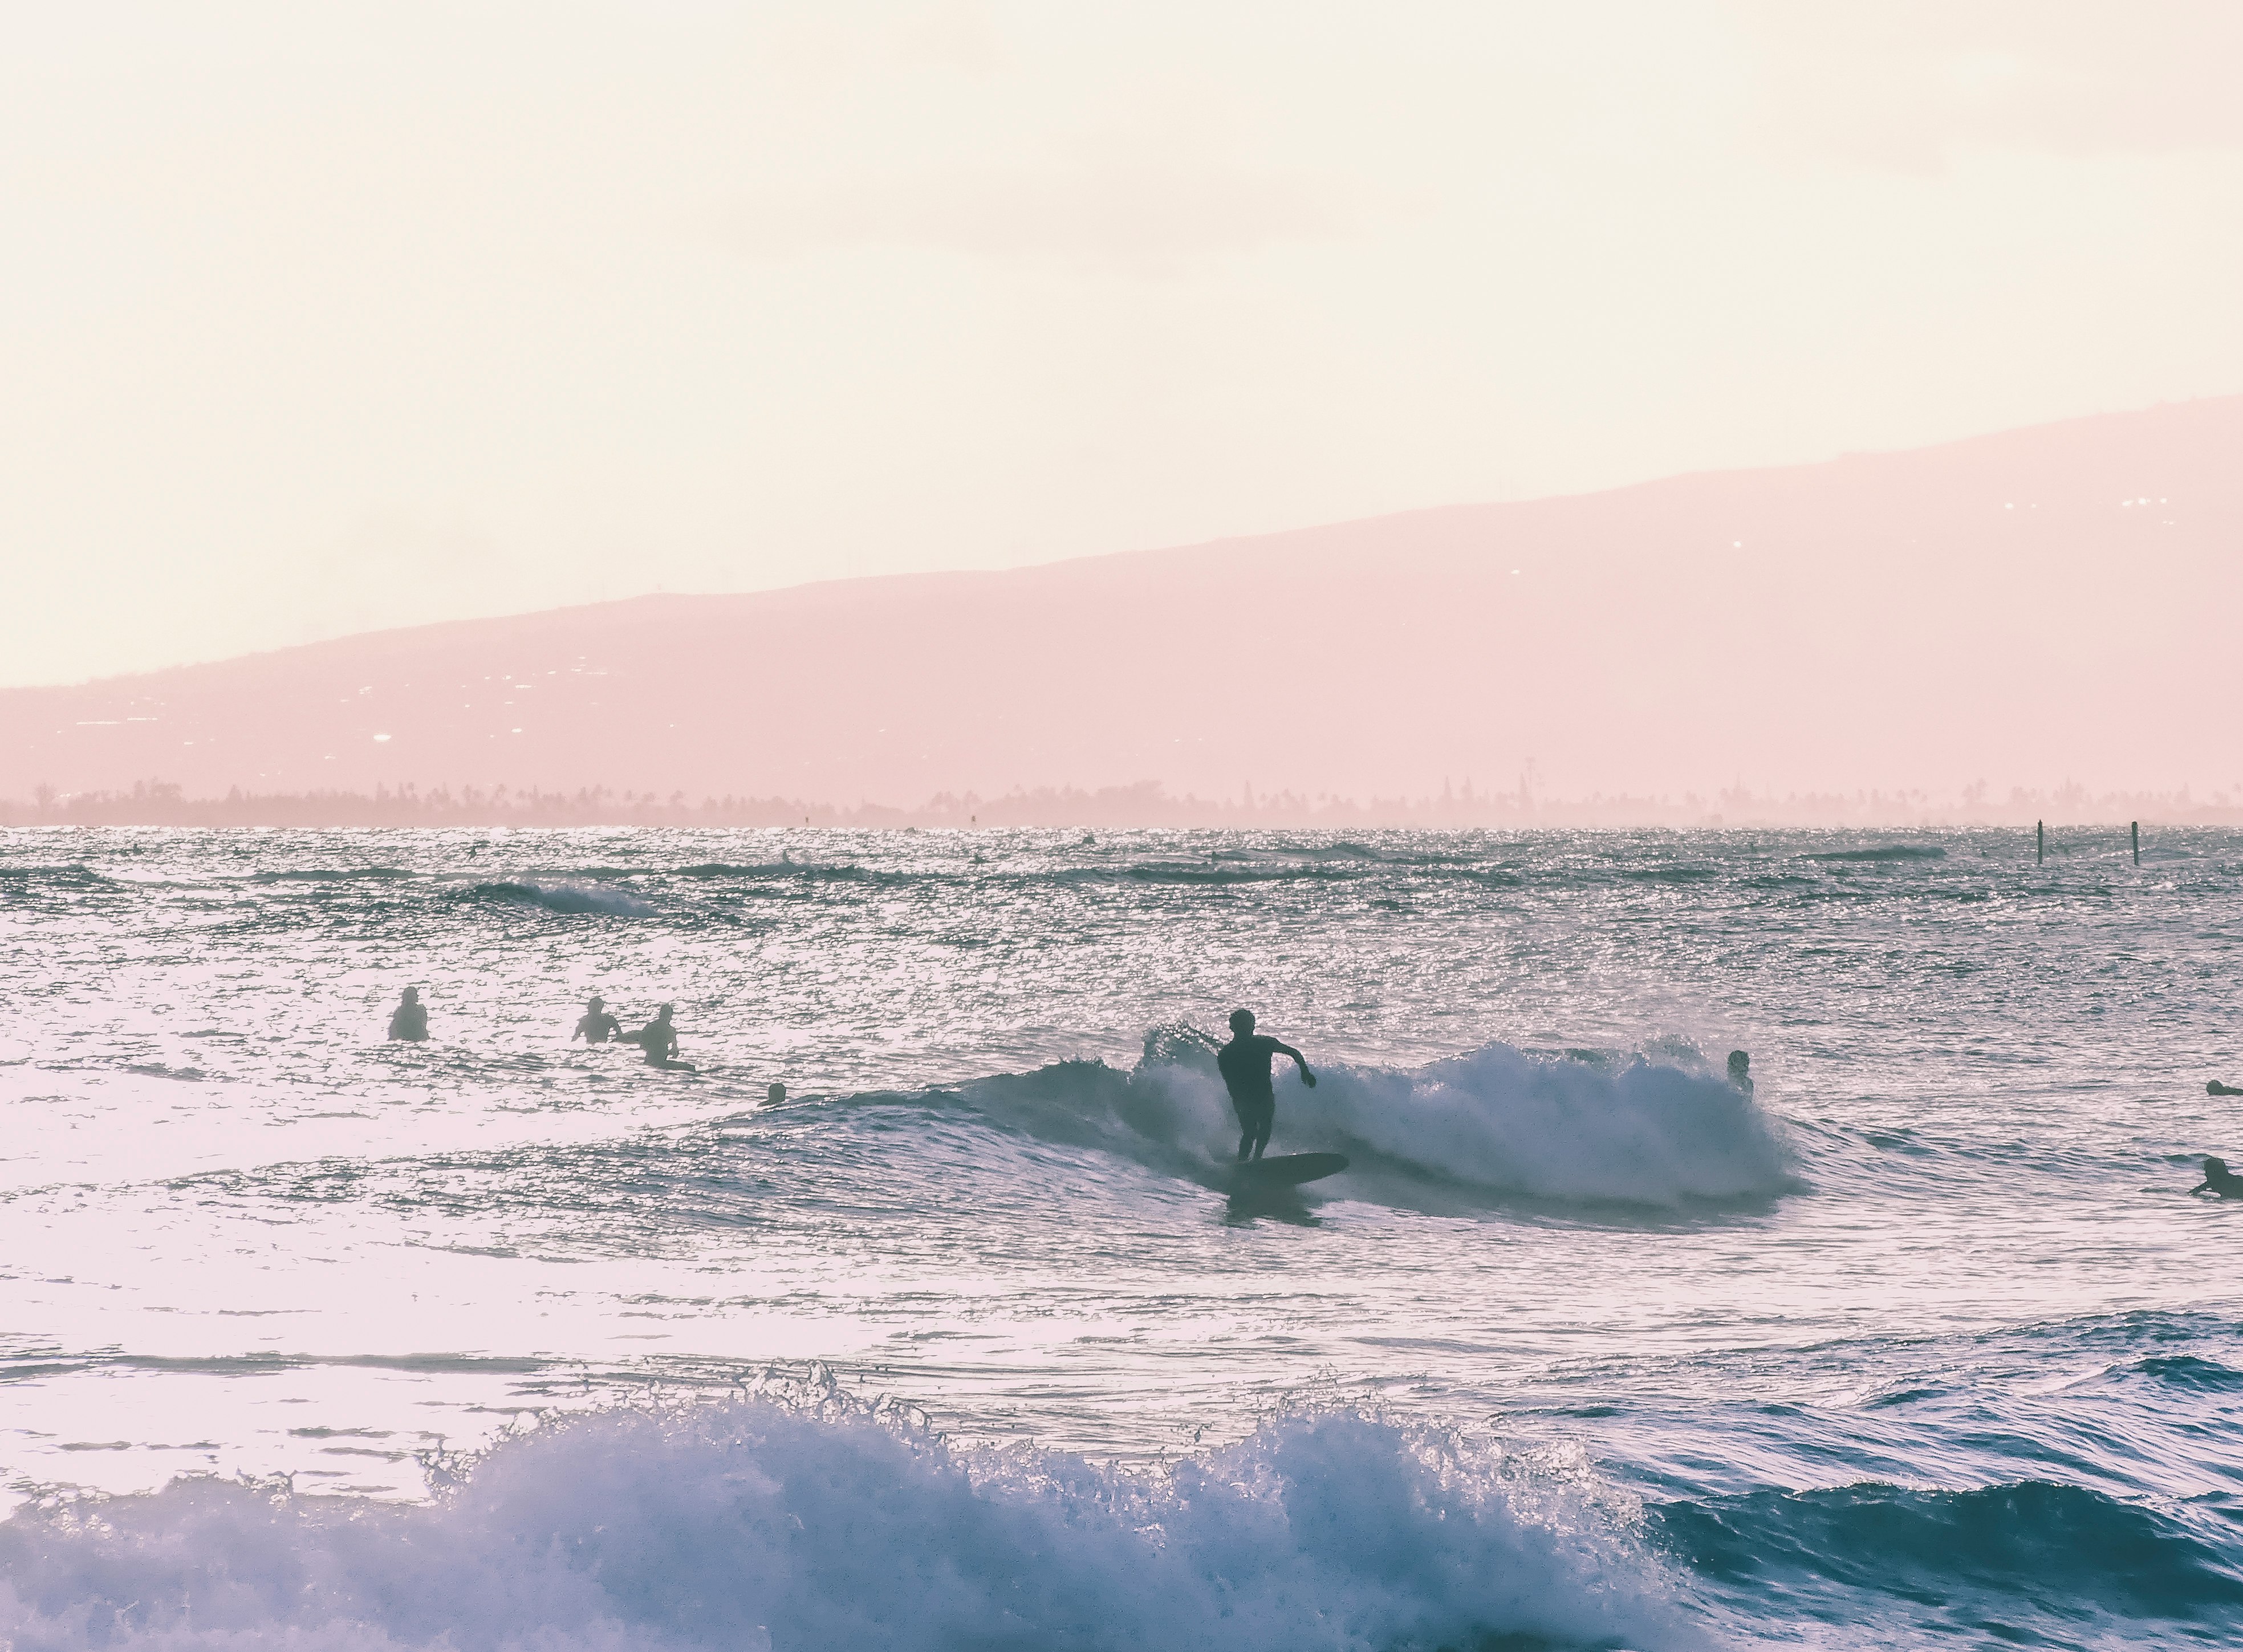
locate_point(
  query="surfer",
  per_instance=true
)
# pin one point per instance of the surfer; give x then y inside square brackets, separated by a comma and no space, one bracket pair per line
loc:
[2218,1178]
[2215,1088]
[659,1039]
[1245,1065]
[1740,1071]
[410,1021]
[596,1025]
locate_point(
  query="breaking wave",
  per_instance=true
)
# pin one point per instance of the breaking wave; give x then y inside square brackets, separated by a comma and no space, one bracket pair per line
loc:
[570,898]
[1499,1120]
[754,1524]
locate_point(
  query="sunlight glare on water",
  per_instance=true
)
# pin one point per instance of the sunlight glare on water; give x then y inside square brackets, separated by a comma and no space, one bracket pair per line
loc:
[1943,1254]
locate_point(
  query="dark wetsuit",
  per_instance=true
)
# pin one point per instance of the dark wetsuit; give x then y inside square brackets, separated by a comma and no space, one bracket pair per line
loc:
[409,1022]
[597,1028]
[1245,1065]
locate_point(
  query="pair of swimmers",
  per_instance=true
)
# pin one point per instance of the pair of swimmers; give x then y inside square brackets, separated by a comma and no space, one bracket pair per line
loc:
[658,1037]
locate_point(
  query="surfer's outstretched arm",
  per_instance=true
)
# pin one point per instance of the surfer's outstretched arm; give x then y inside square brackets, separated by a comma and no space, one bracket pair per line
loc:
[1300,1061]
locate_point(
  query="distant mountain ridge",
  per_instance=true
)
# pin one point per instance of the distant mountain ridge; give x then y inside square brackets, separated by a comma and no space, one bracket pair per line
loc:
[2041,606]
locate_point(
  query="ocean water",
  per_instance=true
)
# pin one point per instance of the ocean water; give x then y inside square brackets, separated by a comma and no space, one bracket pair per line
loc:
[308,1339]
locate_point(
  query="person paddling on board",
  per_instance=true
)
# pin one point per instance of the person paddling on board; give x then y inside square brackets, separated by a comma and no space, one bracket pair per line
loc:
[410,1021]
[596,1025]
[1245,1065]
[2215,1088]
[659,1038]
[2218,1178]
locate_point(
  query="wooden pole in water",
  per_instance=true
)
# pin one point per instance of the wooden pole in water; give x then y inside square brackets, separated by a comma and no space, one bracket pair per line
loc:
[2138,843]
[2040,840]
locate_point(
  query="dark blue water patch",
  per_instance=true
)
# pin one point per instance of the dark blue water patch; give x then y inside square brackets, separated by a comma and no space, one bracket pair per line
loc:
[2057,1550]
[1170,872]
[2188,1372]
[1885,852]
[1671,874]
[67,877]
[1898,1141]
[354,875]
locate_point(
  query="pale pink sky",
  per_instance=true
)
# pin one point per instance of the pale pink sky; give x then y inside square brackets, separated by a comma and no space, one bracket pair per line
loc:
[327,317]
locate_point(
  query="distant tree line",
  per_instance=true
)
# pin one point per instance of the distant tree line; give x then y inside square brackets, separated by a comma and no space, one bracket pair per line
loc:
[1145,804]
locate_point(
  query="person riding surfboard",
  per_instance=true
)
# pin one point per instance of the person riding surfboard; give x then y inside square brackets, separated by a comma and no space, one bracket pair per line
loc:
[1245,1065]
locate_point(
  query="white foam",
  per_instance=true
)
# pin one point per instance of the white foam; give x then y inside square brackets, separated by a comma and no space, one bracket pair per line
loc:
[748,1524]
[1507,1120]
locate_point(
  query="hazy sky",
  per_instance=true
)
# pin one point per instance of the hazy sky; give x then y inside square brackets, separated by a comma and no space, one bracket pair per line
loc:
[323,318]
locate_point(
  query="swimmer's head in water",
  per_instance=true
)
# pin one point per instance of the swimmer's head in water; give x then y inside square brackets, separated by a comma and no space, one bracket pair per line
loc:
[776,1094]
[1242,1022]
[1739,1061]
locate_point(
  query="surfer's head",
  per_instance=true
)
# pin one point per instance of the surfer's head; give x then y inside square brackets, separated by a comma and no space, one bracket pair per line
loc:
[595,1002]
[1242,1022]
[2215,1170]
[663,1014]
[1739,1063]
[412,995]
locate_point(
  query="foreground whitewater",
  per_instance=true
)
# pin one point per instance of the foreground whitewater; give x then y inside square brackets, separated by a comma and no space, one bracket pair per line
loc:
[502,1341]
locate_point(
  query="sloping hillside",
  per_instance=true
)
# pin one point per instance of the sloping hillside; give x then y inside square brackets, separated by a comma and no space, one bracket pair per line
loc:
[2048,604]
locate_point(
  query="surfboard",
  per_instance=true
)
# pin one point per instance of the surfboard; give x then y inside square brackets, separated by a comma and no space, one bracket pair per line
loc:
[1289,1170]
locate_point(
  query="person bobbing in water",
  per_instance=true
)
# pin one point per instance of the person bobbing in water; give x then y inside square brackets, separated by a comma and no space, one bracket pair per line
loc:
[659,1039]
[1245,1065]
[596,1025]
[1740,1070]
[409,1020]
[2218,1178]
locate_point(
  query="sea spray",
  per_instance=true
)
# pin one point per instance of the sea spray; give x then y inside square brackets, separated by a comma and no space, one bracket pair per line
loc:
[811,1522]
[1499,1119]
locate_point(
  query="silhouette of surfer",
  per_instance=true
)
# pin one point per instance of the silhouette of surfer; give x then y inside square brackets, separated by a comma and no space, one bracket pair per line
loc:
[1740,1070]
[2215,1088]
[596,1025]
[1245,1065]
[659,1039]
[410,1021]
[2218,1178]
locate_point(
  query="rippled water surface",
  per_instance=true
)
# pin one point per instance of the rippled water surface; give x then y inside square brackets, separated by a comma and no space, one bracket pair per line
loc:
[961,1344]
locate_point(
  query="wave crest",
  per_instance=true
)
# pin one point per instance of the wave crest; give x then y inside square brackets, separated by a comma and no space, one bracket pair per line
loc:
[1499,1120]
[753,1524]
[573,898]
